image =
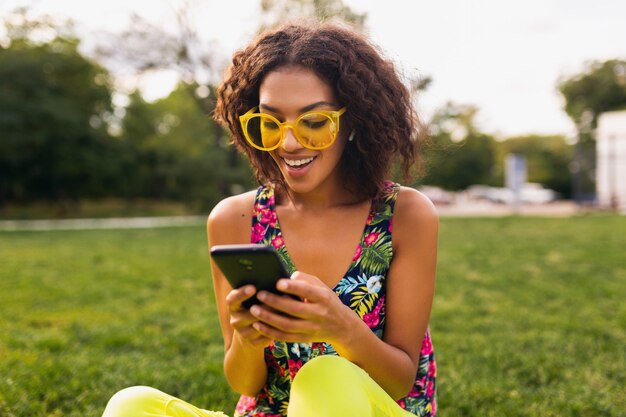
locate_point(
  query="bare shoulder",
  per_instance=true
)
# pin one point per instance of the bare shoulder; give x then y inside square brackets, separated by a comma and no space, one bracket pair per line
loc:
[414,207]
[230,220]
[415,220]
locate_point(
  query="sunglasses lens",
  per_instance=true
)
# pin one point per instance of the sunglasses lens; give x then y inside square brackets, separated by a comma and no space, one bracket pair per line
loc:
[263,131]
[316,130]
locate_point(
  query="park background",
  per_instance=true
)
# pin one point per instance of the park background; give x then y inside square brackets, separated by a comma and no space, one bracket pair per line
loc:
[529,316]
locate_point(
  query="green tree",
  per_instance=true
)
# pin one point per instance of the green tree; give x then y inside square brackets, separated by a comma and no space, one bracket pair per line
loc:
[600,87]
[174,152]
[143,48]
[54,104]
[458,155]
[548,160]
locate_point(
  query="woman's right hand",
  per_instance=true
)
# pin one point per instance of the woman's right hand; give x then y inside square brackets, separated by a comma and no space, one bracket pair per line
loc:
[242,320]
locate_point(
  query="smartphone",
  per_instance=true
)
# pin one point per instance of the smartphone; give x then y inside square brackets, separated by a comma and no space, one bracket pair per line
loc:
[254,264]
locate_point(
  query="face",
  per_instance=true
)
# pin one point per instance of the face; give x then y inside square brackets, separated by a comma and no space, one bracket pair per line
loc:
[286,93]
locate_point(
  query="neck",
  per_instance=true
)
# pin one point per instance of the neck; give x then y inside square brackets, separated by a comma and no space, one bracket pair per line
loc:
[329,195]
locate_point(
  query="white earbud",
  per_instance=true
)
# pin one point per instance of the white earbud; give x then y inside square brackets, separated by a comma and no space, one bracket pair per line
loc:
[351,137]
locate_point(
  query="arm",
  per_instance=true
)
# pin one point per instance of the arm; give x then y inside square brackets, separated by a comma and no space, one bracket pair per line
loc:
[391,362]
[244,364]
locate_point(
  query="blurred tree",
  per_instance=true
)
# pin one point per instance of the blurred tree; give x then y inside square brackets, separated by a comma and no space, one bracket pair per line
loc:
[458,154]
[278,11]
[600,87]
[54,104]
[144,48]
[175,156]
[547,157]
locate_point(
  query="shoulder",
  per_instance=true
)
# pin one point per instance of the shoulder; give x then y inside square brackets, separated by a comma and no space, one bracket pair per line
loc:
[414,215]
[230,220]
[415,205]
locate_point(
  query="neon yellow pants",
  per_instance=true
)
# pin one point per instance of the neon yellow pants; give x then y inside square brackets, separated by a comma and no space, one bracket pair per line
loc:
[327,386]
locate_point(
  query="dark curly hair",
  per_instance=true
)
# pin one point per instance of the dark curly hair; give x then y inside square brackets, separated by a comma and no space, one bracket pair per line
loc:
[379,104]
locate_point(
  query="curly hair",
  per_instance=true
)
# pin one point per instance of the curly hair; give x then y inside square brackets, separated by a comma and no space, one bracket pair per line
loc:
[379,104]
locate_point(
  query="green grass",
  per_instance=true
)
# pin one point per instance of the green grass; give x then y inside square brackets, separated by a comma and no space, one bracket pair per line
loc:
[91,208]
[529,318]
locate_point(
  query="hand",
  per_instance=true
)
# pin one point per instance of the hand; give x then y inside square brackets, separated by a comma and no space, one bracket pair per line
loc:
[240,318]
[320,316]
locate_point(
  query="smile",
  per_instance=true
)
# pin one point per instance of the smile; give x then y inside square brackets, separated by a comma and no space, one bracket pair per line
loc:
[298,162]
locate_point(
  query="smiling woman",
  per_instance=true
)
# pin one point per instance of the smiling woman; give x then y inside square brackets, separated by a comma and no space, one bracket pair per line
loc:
[321,116]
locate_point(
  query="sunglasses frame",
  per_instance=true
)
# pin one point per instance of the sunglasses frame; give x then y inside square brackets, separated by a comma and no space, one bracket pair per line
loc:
[333,115]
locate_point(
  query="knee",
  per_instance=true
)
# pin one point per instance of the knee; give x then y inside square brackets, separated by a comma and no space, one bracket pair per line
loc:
[327,368]
[328,386]
[135,402]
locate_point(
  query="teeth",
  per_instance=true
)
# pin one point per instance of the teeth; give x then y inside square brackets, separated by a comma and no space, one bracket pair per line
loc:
[298,162]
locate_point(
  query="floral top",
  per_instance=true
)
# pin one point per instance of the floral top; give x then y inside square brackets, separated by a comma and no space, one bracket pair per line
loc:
[362,288]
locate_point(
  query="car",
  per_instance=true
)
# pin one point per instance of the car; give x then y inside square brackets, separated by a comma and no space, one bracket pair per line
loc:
[530,193]
[534,193]
[437,195]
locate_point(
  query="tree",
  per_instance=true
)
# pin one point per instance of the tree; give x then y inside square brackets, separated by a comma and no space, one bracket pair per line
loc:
[54,104]
[277,11]
[600,87]
[548,160]
[458,155]
[174,154]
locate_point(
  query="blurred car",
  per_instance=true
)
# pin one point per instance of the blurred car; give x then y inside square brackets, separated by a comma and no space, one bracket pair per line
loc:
[530,193]
[488,193]
[437,195]
[534,193]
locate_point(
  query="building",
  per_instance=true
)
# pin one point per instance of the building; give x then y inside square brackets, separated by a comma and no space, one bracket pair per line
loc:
[611,160]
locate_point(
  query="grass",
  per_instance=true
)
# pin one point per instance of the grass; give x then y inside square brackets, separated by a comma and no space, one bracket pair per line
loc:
[529,318]
[91,208]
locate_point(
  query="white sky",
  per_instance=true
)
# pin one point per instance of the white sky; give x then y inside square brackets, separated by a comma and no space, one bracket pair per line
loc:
[505,57]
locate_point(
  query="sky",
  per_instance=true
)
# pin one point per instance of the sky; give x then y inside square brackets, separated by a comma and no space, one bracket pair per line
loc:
[504,57]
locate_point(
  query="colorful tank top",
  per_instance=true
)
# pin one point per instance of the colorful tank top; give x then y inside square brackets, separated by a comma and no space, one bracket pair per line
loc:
[363,289]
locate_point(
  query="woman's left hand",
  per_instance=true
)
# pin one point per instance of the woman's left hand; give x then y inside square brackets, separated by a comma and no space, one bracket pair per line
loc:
[318,315]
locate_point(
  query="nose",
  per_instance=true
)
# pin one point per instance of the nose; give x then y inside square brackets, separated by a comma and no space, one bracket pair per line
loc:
[290,143]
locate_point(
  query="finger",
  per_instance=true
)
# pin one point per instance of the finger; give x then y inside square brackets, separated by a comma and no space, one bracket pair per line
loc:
[303,288]
[281,322]
[236,297]
[276,334]
[287,305]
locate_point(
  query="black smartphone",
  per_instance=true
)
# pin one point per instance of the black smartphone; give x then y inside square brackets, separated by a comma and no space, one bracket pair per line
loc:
[254,264]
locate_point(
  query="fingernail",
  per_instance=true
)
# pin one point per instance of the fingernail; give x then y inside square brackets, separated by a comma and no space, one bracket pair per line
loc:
[255,310]
[282,285]
[261,296]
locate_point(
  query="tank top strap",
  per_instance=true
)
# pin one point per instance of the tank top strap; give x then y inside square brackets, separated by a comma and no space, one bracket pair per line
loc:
[389,193]
[384,203]
[264,218]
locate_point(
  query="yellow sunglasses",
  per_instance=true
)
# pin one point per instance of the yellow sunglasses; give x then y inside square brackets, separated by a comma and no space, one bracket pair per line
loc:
[315,129]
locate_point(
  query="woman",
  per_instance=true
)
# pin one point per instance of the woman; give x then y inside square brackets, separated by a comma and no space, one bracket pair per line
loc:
[321,117]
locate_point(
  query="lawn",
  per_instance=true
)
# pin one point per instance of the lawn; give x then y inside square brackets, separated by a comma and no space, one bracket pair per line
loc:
[529,318]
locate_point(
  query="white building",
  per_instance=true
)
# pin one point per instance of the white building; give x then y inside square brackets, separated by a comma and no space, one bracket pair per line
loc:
[611,160]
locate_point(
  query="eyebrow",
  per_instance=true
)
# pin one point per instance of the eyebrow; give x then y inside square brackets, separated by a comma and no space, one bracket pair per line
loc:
[302,110]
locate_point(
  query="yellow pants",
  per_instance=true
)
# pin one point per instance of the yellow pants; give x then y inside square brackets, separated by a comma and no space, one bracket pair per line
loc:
[327,386]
